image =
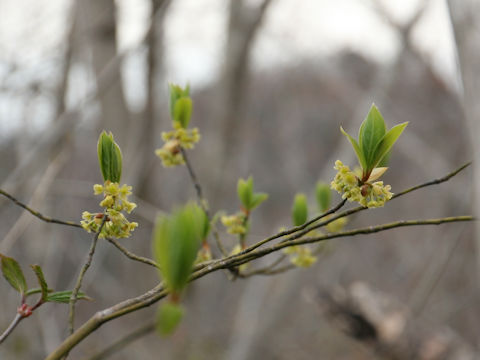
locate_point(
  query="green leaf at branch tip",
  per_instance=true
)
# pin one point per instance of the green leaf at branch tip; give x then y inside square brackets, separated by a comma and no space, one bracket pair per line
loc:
[176,93]
[176,240]
[109,157]
[388,140]
[323,194]
[63,297]
[182,111]
[41,281]
[169,316]
[248,198]
[258,198]
[299,210]
[371,133]
[12,272]
[356,147]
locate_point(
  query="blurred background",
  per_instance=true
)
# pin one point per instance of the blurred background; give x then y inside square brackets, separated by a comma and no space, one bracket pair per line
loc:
[272,81]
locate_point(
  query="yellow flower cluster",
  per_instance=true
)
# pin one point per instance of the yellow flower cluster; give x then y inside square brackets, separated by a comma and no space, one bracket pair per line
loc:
[175,140]
[300,255]
[366,194]
[235,224]
[115,201]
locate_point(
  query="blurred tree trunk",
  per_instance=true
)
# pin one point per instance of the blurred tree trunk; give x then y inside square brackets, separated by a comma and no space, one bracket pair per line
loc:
[465,17]
[98,19]
[148,134]
[244,22]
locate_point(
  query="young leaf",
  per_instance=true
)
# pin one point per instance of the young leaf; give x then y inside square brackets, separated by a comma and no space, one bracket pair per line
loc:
[258,198]
[182,111]
[245,192]
[13,273]
[176,241]
[356,147]
[176,92]
[299,210]
[34,291]
[41,281]
[109,157]
[323,195]
[64,296]
[371,132]
[387,142]
[169,316]
[376,173]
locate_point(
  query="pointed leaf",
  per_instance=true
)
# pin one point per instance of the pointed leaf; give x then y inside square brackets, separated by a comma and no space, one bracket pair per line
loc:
[182,111]
[299,210]
[109,157]
[376,173]
[176,241]
[13,273]
[41,281]
[371,132]
[356,147]
[258,198]
[36,291]
[169,316]
[387,142]
[64,296]
[245,192]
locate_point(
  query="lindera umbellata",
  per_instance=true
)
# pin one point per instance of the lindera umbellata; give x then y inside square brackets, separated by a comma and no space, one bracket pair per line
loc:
[186,243]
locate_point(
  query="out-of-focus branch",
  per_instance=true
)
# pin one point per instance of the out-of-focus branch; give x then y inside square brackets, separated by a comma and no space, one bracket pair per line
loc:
[386,326]
[78,285]
[159,292]
[123,342]
[47,219]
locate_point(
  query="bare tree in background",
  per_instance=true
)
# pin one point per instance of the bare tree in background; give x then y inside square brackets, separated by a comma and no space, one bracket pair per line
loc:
[98,24]
[465,16]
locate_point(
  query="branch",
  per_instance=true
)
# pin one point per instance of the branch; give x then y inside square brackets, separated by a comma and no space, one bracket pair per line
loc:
[201,199]
[78,285]
[127,340]
[38,214]
[159,292]
[307,228]
[131,255]
[11,327]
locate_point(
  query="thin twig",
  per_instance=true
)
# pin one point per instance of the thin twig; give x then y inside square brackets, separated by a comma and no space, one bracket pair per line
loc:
[201,199]
[131,255]
[159,292]
[78,285]
[11,327]
[120,344]
[38,214]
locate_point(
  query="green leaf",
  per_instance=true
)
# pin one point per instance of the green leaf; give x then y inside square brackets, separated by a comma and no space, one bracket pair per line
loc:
[176,92]
[64,296]
[299,210]
[356,147]
[182,111]
[13,273]
[169,316]
[371,132]
[323,195]
[176,241]
[35,291]
[387,142]
[258,198]
[41,281]
[109,157]
[245,192]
